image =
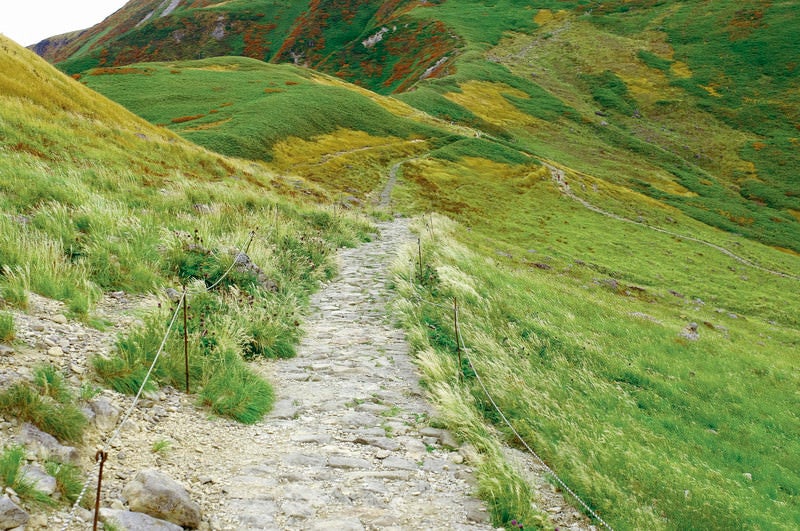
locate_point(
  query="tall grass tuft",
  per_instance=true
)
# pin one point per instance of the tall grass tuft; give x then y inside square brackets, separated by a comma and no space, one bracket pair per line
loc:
[7,332]
[238,393]
[69,479]
[47,404]
[11,461]
[51,383]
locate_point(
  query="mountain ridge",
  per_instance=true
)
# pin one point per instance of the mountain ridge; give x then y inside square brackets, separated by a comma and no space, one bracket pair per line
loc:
[624,85]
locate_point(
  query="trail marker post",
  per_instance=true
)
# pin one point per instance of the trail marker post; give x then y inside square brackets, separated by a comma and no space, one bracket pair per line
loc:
[419,246]
[99,456]
[185,340]
[458,341]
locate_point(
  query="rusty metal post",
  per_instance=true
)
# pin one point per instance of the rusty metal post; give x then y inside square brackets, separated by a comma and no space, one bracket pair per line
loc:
[185,339]
[419,245]
[99,456]
[458,340]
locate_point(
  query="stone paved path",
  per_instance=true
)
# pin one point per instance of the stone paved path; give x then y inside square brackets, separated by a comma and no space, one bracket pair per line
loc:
[349,446]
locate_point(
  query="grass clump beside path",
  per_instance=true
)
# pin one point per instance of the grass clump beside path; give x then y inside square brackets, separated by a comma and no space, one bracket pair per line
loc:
[12,459]
[7,332]
[46,403]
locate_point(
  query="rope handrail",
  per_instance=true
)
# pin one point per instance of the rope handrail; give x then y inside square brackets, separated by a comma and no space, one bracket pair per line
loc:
[235,261]
[524,443]
[91,474]
[127,415]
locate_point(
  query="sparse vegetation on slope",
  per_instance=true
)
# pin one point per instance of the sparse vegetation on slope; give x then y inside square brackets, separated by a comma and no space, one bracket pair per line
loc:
[46,403]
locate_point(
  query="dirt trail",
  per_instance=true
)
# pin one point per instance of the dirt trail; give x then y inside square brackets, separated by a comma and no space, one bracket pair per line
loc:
[562,184]
[348,446]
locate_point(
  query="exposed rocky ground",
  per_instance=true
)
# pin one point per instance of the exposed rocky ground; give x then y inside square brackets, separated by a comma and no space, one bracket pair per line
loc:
[349,444]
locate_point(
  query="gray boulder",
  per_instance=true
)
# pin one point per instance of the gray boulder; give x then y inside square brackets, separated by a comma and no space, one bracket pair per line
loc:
[11,514]
[159,496]
[131,521]
[106,414]
[45,446]
[39,478]
[690,332]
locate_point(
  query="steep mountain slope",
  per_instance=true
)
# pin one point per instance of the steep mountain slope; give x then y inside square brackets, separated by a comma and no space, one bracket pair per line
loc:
[709,128]
[94,199]
[361,40]
[632,91]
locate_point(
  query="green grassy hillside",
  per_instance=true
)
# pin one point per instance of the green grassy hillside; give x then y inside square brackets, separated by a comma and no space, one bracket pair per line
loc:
[94,199]
[622,91]
[221,104]
[625,92]
[611,173]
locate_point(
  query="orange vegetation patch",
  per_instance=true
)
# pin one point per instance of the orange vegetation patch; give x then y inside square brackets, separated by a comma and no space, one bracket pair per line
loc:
[183,119]
[746,20]
[204,127]
[25,148]
[739,220]
[787,251]
[103,71]
[270,90]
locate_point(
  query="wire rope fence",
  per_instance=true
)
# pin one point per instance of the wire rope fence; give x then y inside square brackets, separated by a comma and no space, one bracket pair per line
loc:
[462,352]
[102,454]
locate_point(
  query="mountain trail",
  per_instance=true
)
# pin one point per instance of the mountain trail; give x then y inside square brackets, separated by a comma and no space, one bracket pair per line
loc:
[386,193]
[347,446]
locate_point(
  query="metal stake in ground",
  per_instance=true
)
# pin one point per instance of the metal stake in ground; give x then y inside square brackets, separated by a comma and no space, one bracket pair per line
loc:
[458,342]
[419,245]
[99,456]
[185,340]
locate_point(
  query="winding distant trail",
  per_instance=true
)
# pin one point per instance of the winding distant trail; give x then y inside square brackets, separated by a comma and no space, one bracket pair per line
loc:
[563,186]
[386,193]
[348,446]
